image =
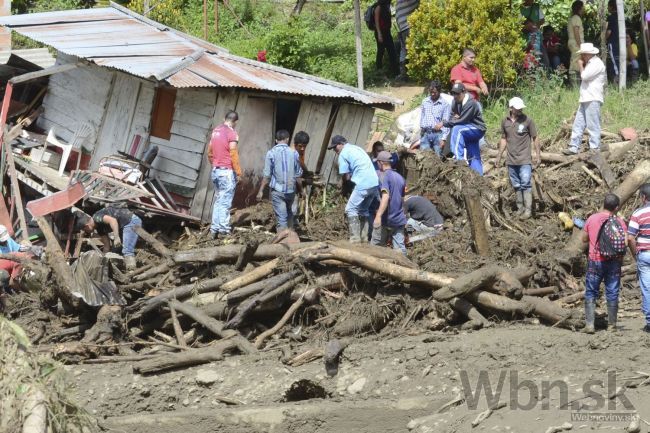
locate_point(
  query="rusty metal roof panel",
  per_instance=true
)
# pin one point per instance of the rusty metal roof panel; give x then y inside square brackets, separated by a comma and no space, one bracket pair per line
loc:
[118,38]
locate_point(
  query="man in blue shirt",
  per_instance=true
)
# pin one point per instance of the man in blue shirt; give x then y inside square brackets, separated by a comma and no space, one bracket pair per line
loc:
[435,111]
[356,165]
[282,173]
[390,218]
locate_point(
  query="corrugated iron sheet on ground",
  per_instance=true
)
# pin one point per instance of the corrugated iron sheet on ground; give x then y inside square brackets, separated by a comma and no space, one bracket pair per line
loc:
[118,38]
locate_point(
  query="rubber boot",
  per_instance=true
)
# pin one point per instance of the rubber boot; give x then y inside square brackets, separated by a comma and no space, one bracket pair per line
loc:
[590,315]
[520,202]
[364,227]
[355,229]
[528,204]
[129,262]
[612,313]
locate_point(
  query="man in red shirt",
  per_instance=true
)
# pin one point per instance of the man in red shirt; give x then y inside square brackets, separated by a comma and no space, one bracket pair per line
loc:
[223,154]
[465,72]
[600,269]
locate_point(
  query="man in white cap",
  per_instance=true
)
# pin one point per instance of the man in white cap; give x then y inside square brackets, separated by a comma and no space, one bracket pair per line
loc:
[593,74]
[518,134]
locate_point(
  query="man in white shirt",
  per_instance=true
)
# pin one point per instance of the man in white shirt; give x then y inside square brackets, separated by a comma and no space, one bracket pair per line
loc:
[594,76]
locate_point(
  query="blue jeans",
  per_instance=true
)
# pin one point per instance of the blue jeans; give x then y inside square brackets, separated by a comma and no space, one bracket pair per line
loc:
[520,176]
[464,144]
[381,235]
[129,236]
[224,181]
[282,207]
[643,270]
[431,140]
[360,200]
[587,117]
[608,271]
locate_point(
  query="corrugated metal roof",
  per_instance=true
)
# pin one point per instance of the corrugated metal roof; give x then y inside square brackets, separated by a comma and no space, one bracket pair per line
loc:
[118,38]
[38,56]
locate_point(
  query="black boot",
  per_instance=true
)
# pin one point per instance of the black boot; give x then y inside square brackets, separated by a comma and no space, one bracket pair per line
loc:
[590,315]
[612,313]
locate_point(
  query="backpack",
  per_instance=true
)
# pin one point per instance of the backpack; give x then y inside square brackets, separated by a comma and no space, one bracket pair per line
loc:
[369,16]
[611,239]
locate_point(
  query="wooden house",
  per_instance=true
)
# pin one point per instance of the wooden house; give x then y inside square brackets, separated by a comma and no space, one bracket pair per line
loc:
[138,83]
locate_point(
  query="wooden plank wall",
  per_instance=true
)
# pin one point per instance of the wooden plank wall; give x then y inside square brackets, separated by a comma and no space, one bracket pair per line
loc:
[204,192]
[313,119]
[180,158]
[353,122]
[76,96]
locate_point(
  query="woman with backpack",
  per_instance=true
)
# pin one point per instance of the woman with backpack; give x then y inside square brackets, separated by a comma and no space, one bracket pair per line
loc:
[606,234]
[382,25]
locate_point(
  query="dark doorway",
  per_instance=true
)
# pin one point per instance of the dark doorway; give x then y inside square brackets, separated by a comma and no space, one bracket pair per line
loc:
[286,114]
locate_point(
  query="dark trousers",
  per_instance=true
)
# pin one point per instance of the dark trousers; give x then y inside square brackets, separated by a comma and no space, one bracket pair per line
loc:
[389,46]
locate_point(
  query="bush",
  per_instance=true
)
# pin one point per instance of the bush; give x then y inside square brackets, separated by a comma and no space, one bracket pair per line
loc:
[440,31]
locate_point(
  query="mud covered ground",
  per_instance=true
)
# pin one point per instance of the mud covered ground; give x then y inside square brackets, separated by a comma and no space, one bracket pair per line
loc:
[389,384]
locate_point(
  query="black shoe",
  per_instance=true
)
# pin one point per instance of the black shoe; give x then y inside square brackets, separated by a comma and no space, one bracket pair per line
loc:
[214,235]
[646,328]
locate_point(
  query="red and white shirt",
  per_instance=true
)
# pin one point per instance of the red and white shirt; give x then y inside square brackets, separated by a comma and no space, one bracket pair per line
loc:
[639,228]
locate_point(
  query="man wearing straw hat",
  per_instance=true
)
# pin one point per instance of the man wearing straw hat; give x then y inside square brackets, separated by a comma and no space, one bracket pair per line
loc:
[593,74]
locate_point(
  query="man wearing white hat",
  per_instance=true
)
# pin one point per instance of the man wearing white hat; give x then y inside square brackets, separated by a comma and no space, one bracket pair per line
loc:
[518,134]
[593,74]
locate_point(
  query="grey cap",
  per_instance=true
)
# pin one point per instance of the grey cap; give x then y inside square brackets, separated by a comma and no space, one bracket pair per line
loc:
[336,140]
[457,88]
[384,156]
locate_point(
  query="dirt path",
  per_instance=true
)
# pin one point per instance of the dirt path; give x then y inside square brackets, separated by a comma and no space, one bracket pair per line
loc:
[388,384]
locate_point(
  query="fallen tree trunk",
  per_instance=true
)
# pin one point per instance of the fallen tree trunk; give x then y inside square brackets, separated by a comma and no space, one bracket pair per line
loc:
[155,243]
[553,314]
[180,292]
[633,181]
[188,358]
[468,310]
[213,325]
[260,286]
[499,303]
[482,277]
[541,291]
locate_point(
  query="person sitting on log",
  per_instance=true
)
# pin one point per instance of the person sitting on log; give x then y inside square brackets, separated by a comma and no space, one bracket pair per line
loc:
[468,128]
[390,220]
[600,230]
[114,220]
[423,217]
[518,134]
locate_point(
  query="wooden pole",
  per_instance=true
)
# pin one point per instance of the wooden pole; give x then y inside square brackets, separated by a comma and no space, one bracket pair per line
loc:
[205,20]
[216,16]
[145,8]
[477,221]
[622,46]
[357,35]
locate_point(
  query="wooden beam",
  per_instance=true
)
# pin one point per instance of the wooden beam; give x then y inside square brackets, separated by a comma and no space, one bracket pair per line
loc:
[44,73]
[357,40]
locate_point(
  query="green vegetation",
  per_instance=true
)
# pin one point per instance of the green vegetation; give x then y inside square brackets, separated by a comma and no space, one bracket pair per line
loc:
[440,31]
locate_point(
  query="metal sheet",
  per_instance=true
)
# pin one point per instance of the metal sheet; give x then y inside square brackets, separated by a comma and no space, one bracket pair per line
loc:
[120,39]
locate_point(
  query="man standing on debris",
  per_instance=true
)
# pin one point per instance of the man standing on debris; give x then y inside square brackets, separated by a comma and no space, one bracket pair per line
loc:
[467,126]
[116,220]
[282,171]
[224,157]
[639,244]
[603,266]
[390,219]
[592,87]
[423,217]
[435,110]
[355,165]
[518,134]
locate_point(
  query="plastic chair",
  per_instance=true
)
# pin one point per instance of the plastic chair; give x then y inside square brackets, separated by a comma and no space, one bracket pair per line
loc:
[82,134]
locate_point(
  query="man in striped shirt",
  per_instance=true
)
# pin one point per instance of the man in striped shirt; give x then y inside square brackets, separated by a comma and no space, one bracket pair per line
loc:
[638,236]
[403,9]
[282,173]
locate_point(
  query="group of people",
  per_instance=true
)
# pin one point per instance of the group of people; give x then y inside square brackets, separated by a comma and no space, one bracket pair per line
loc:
[382,24]
[608,237]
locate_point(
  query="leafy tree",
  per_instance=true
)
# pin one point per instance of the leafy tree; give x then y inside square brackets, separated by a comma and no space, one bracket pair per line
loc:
[440,31]
[168,12]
